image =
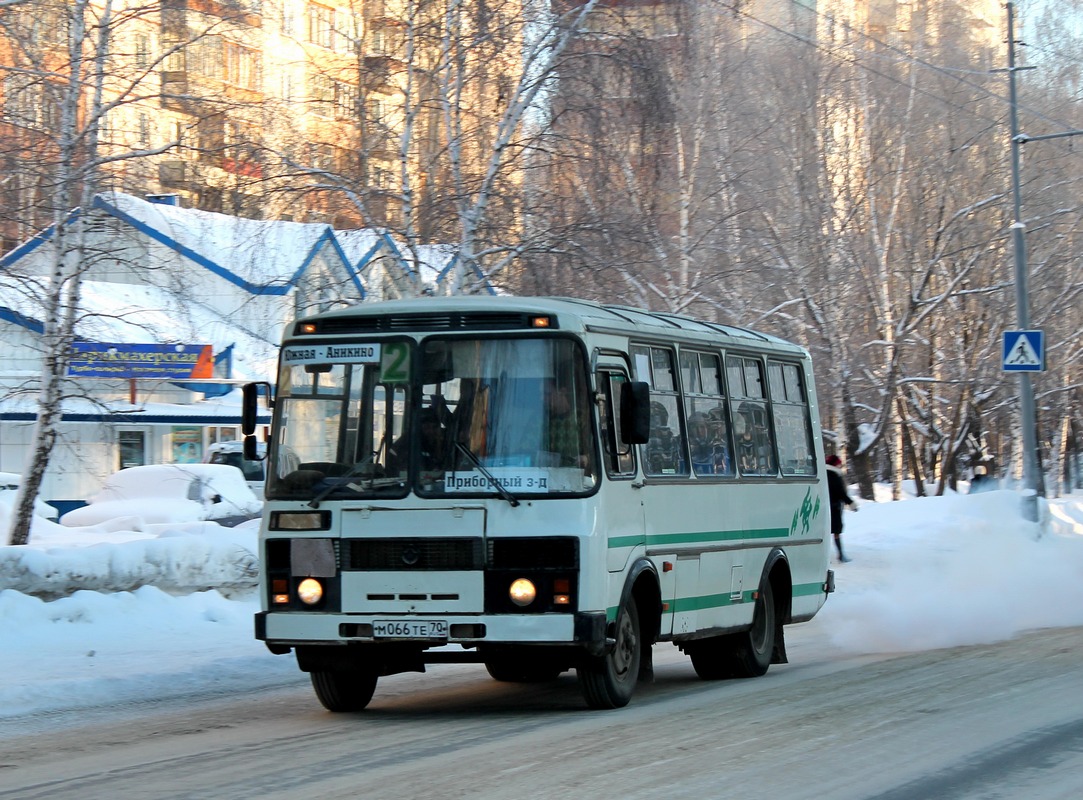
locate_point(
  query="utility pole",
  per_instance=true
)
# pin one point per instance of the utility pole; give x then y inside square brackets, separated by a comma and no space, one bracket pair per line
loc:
[1033,486]
[1033,482]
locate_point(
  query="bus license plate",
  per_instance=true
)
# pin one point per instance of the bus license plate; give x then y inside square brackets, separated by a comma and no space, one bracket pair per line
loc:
[410,629]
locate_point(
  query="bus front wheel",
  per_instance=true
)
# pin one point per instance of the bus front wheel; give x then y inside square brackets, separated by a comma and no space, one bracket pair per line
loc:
[609,681]
[342,690]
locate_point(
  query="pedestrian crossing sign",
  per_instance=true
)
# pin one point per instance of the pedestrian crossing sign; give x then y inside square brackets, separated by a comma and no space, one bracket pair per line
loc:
[1023,351]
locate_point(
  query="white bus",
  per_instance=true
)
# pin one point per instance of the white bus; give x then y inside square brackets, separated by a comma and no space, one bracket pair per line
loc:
[537,485]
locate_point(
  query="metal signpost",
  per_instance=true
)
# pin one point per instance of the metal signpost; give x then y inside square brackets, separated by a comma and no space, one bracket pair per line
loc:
[1028,346]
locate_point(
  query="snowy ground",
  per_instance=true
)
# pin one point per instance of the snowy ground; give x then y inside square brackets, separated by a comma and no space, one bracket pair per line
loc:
[926,573]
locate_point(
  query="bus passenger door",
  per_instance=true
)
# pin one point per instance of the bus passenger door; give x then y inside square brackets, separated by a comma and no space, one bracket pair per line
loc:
[621,511]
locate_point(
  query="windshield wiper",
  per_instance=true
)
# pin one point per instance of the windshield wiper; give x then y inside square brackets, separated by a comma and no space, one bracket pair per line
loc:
[340,481]
[513,501]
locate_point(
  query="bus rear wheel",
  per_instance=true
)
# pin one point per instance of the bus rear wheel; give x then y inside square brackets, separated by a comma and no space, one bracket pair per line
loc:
[609,681]
[342,690]
[740,655]
[710,657]
[754,648]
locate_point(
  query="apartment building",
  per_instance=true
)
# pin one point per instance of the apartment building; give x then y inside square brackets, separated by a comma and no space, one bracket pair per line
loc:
[332,111]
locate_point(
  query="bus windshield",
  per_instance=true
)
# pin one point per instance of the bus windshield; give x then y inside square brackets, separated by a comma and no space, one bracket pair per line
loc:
[446,417]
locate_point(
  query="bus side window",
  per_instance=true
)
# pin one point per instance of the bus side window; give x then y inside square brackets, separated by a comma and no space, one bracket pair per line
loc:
[705,413]
[664,453]
[791,416]
[753,438]
[619,456]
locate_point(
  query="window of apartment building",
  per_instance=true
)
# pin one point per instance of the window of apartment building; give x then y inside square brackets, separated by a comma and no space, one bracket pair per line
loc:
[210,139]
[241,155]
[345,100]
[287,86]
[240,65]
[321,95]
[32,103]
[323,156]
[378,42]
[321,25]
[379,135]
[205,57]
[382,178]
[44,27]
[144,130]
[173,55]
[142,50]
[376,109]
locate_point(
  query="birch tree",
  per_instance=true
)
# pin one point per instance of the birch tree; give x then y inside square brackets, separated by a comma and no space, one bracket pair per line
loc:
[450,112]
[62,83]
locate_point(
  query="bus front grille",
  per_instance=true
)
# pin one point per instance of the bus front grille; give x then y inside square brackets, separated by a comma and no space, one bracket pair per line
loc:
[412,554]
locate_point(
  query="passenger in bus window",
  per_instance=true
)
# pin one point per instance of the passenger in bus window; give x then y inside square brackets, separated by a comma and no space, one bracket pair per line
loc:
[746,444]
[699,443]
[468,418]
[663,448]
[719,433]
[433,452]
[755,450]
[565,434]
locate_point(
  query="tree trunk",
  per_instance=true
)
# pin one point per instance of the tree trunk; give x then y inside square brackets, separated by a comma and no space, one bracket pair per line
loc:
[910,453]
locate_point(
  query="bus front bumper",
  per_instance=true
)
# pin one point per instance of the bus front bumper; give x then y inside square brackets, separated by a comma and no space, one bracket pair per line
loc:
[283,630]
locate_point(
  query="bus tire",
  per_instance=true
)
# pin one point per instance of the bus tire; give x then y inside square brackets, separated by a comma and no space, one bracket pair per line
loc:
[710,657]
[609,681]
[752,650]
[342,690]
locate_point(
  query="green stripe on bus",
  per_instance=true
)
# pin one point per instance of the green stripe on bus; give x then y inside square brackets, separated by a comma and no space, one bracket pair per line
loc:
[703,537]
[686,604]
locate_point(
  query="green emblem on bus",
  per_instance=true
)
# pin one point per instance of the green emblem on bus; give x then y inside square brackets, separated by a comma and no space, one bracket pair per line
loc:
[808,511]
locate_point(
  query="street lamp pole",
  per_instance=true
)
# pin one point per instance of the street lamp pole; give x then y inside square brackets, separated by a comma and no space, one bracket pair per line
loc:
[1033,484]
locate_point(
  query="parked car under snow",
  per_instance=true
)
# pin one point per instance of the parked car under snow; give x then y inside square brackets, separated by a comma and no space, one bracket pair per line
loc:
[171,493]
[9,487]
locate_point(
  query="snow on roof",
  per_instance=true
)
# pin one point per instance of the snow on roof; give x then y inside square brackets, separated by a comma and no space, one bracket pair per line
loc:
[259,254]
[262,252]
[269,252]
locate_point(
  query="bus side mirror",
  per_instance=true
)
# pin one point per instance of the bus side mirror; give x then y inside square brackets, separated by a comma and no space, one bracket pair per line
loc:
[250,405]
[635,412]
[251,448]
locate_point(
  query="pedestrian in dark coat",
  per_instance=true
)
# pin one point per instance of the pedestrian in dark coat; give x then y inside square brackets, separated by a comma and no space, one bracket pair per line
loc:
[838,497]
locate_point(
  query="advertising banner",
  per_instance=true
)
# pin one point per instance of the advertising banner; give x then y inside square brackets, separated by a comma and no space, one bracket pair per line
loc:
[169,361]
[187,444]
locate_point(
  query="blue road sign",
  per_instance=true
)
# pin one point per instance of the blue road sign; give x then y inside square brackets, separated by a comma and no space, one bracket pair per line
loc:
[1023,351]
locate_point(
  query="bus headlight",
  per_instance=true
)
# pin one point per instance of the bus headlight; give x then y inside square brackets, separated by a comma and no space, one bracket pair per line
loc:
[522,592]
[310,591]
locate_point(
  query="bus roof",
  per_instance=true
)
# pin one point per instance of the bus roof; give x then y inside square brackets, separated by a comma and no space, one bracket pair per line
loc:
[505,312]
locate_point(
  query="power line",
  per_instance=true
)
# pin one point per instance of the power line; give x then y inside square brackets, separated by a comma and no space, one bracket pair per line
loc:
[854,58]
